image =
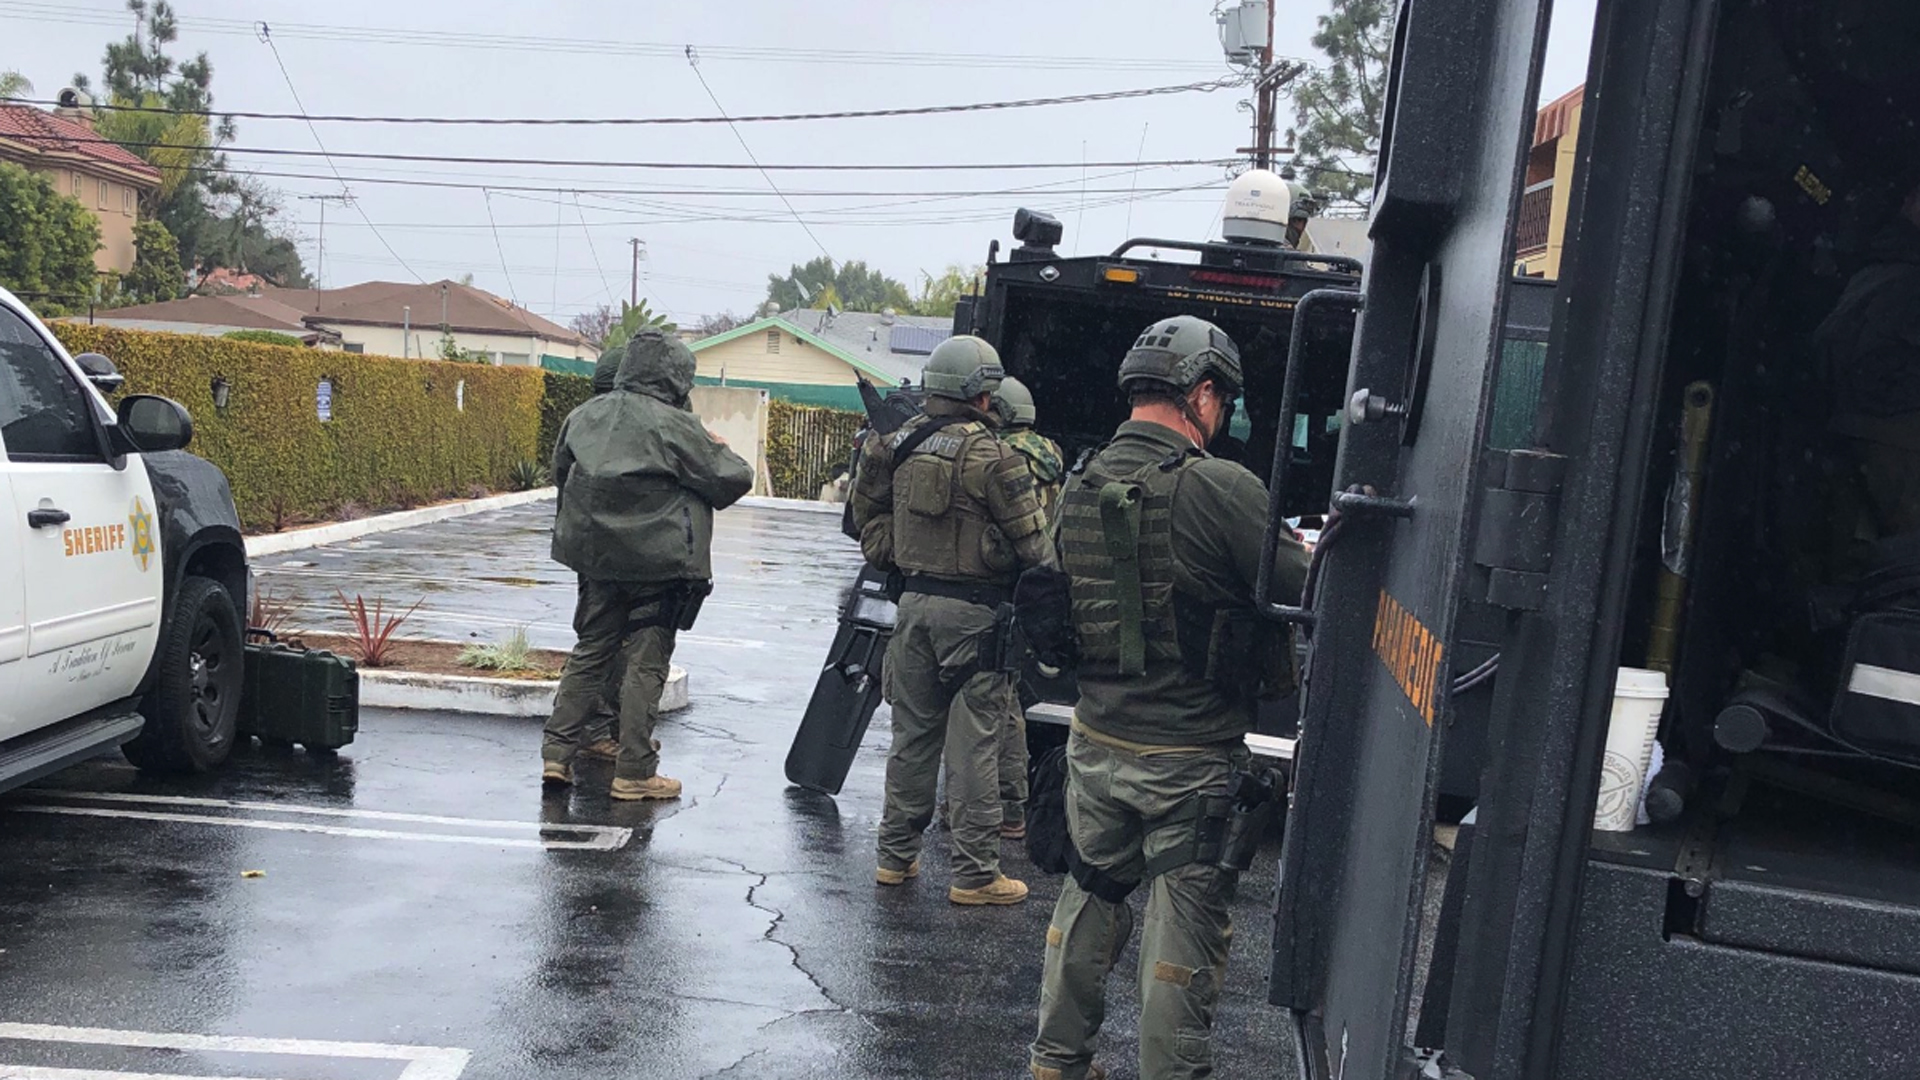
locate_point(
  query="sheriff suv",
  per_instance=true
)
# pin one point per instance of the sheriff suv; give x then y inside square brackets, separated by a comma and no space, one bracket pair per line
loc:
[122,570]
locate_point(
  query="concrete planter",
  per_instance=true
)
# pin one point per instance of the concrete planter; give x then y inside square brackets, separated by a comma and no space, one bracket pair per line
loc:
[476,694]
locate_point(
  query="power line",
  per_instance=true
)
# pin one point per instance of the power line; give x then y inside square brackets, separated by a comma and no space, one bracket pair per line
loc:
[589,163]
[446,39]
[512,293]
[636,121]
[693,61]
[266,36]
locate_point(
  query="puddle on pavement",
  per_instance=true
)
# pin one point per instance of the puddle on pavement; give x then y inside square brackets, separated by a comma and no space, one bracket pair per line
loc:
[520,582]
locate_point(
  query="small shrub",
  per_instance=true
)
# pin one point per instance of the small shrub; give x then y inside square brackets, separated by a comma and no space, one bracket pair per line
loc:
[528,474]
[372,642]
[513,654]
[349,511]
[477,491]
[271,611]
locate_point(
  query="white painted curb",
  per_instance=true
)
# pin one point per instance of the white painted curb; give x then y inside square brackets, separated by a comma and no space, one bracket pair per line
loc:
[488,697]
[770,502]
[321,535]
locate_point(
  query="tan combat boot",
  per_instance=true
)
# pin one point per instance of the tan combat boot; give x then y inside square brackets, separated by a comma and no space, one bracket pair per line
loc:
[653,787]
[555,774]
[885,876]
[1001,890]
[601,749]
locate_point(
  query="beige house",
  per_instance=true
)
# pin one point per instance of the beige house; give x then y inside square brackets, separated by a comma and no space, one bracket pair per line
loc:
[814,357]
[381,317]
[105,178]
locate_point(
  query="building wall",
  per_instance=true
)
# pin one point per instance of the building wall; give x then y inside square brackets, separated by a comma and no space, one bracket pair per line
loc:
[424,342]
[1564,154]
[116,206]
[738,415]
[750,359]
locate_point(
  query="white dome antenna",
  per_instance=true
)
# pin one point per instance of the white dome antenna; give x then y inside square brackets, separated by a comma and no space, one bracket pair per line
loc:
[1258,205]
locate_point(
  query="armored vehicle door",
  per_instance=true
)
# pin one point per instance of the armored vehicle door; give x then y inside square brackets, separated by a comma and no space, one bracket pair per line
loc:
[1458,122]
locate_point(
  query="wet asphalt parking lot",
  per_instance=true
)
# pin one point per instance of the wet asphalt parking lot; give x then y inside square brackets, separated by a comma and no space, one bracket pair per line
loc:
[414,909]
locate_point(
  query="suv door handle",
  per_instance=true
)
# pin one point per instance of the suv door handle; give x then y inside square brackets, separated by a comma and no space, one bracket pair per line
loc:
[40,519]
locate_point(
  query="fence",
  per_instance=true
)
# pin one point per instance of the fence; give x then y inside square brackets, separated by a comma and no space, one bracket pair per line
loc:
[806,445]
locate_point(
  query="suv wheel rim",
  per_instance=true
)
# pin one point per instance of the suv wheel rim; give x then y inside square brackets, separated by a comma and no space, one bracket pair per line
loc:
[207,662]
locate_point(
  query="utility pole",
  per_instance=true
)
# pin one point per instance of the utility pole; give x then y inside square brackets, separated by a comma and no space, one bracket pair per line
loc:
[320,259]
[1265,108]
[1269,77]
[639,248]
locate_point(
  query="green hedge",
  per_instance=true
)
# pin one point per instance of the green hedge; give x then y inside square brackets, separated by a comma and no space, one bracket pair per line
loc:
[397,437]
[560,395]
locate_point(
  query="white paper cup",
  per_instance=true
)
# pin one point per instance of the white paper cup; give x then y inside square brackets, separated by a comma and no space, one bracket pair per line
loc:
[1639,696]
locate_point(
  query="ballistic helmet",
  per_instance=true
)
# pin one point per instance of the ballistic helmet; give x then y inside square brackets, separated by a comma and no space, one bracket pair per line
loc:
[962,368]
[1013,403]
[1180,353]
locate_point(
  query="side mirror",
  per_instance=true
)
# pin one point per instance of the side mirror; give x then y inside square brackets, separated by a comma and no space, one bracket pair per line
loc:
[150,423]
[101,372]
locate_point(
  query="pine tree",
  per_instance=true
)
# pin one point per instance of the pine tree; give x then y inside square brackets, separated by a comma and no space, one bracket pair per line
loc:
[1338,104]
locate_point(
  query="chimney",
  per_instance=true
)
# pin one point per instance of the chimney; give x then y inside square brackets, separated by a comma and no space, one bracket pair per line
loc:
[75,106]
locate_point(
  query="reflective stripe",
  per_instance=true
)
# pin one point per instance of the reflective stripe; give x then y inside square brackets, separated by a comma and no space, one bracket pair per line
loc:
[1889,684]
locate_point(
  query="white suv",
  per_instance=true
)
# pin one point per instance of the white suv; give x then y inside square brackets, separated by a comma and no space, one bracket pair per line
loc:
[122,570]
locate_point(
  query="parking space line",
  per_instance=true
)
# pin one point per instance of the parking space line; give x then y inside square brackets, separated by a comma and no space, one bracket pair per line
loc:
[50,1073]
[592,837]
[423,1062]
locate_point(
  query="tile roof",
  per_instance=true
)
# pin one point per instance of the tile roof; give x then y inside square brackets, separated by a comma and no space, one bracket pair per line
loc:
[246,312]
[43,133]
[384,303]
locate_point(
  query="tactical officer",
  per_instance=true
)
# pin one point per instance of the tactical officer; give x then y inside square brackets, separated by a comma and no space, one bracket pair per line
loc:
[1162,544]
[639,480]
[1013,406]
[949,508]
[601,741]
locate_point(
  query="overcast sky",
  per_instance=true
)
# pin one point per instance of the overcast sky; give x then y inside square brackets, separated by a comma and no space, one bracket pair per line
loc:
[708,251]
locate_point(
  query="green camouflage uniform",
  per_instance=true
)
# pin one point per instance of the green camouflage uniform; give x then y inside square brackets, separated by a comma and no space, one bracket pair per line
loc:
[639,479]
[1157,727]
[1043,461]
[956,514]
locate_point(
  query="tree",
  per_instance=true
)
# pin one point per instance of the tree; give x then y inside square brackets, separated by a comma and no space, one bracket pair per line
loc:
[633,319]
[451,350]
[47,241]
[216,217]
[156,273]
[593,324]
[1337,105]
[854,287]
[939,295]
[720,324]
[14,85]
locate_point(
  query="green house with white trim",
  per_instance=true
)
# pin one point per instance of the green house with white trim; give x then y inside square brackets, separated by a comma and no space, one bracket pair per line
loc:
[813,357]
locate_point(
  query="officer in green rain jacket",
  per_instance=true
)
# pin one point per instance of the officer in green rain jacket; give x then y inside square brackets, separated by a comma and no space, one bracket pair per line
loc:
[639,478]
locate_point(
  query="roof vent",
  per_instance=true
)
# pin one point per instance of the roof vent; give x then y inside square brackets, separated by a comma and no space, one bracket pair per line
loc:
[887,315]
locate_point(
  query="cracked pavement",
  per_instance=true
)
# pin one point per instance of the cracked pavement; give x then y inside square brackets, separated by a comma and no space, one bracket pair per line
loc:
[737,933]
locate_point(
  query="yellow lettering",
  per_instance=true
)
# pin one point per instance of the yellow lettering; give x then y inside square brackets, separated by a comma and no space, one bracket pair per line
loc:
[66,537]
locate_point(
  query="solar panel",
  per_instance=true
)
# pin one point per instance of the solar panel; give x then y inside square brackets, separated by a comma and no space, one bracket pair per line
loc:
[915,340]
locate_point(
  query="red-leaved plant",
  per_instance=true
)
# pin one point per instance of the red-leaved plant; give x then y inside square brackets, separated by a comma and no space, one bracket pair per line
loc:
[372,642]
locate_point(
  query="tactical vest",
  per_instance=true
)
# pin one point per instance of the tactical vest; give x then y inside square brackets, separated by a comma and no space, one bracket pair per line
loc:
[1116,542]
[939,528]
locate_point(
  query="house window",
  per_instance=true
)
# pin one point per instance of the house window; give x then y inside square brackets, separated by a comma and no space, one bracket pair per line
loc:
[103,195]
[76,185]
[126,201]
[353,346]
[773,341]
[514,359]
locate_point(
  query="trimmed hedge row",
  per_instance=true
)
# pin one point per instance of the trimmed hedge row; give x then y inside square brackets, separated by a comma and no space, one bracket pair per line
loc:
[560,395]
[401,433]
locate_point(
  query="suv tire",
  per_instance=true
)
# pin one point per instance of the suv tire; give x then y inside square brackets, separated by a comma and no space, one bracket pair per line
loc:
[195,700]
